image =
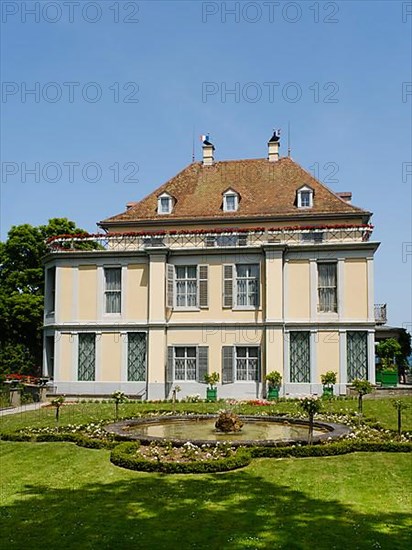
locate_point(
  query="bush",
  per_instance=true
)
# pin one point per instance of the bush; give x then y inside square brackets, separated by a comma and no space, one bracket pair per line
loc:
[124,455]
[331,449]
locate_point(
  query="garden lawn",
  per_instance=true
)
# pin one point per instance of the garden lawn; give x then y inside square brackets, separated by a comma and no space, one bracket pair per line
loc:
[59,495]
[83,413]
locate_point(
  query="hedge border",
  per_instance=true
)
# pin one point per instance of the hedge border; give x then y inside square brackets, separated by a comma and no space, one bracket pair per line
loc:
[122,456]
[77,438]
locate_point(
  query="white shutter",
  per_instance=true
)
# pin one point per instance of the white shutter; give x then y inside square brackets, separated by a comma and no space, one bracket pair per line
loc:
[228,285]
[202,274]
[170,276]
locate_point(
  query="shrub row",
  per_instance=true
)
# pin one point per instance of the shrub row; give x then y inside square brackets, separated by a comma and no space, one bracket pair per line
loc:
[80,439]
[124,455]
[331,449]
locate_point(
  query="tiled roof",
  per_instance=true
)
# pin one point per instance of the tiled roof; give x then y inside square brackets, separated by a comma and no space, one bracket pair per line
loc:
[267,189]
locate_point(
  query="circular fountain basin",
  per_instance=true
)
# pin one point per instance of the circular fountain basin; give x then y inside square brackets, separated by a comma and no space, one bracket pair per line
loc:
[200,429]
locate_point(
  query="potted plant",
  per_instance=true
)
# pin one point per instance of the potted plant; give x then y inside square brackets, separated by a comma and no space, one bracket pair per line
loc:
[274,380]
[212,379]
[389,351]
[328,379]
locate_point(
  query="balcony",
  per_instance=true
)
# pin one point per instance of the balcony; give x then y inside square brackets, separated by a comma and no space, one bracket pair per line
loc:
[195,240]
[380,314]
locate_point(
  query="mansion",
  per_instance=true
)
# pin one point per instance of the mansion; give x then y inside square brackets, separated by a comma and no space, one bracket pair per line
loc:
[238,267]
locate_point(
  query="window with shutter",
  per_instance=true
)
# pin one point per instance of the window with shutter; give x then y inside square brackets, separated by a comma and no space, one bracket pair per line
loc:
[227,364]
[228,286]
[203,272]
[170,272]
[203,360]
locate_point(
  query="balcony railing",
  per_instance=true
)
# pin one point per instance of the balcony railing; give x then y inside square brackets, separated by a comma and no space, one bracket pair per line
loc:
[380,314]
[125,242]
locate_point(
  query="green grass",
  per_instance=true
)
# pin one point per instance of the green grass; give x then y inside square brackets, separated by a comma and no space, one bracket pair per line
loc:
[380,409]
[59,495]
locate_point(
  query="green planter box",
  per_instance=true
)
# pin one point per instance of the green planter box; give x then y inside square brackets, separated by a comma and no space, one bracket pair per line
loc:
[327,391]
[273,394]
[389,378]
[211,394]
[378,377]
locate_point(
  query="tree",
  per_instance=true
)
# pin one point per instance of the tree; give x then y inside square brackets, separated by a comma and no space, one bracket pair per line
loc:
[362,387]
[22,294]
[389,351]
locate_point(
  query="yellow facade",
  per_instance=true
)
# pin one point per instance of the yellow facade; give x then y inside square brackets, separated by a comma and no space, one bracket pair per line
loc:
[111,347]
[298,290]
[87,292]
[327,353]
[66,296]
[356,289]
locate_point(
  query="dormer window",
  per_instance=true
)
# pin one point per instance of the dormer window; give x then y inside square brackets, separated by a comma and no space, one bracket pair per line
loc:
[230,201]
[305,197]
[164,204]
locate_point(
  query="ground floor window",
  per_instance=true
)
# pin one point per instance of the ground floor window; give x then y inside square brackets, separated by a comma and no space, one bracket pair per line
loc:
[50,356]
[240,363]
[357,355]
[247,363]
[299,362]
[87,357]
[185,363]
[136,356]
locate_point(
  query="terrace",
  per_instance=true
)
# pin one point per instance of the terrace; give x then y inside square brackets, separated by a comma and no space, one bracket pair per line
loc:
[204,239]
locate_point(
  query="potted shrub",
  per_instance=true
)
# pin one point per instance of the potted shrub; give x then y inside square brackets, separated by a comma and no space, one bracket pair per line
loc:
[389,373]
[389,351]
[212,379]
[328,379]
[274,380]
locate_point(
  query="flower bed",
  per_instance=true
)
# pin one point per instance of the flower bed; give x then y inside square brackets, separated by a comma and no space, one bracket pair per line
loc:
[188,459]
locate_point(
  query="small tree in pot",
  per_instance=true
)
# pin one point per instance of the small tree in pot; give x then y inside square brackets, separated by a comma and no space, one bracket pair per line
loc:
[212,379]
[274,380]
[328,380]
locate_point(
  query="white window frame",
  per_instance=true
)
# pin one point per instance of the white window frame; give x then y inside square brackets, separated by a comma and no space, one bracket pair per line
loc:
[105,291]
[202,286]
[160,201]
[303,191]
[185,358]
[235,305]
[232,195]
[247,358]
[186,280]
[336,286]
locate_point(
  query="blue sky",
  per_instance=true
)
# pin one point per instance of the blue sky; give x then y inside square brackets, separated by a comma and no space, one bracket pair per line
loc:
[146,76]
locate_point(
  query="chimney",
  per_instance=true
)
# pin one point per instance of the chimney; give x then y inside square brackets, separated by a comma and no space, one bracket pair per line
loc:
[273,145]
[208,149]
[345,195]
